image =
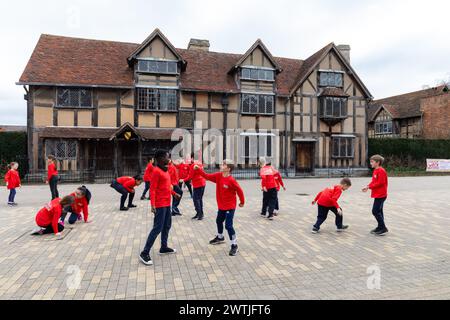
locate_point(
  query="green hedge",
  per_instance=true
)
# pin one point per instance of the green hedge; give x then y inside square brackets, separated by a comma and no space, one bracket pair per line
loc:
[409,153]
[13,147]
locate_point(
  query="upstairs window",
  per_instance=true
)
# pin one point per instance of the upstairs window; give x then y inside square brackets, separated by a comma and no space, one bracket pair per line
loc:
[257,104]
[384,127]
[343,147]
[156,66]
[331,79]
[333,107]
[257,74]
[150,99]
[74,98]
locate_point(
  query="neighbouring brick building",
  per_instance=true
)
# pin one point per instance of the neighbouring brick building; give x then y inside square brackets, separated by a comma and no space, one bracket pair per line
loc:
[421,114]
[84,95]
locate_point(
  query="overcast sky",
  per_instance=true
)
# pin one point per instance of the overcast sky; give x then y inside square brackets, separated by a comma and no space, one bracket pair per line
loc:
[397,46]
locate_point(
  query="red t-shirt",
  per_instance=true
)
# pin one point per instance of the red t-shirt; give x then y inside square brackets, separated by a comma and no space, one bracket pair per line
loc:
[379,184]
[50,215]
[279,181]
[173,172]
[12,178]
[148,172]
[51,171]
[226,190]
[161,190]
[197,180]
[80,205]
[183,170]
[267,174]
[329,197]
[127,182]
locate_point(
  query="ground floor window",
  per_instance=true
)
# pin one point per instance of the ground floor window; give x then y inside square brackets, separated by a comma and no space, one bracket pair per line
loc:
[62,149]
[343,147]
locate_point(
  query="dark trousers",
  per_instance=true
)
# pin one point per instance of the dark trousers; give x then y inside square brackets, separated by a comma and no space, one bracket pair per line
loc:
[53,183]
[198,200]
[377,211]
[277,204]
[49,229]
[124,192]
[175,201]
[269,201]
[227,217]
[146,188]
[161,224]
[12,195]
[188,185]
[323,214]
[73,215]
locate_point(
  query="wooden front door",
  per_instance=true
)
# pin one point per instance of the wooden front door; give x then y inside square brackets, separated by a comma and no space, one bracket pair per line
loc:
[305,157]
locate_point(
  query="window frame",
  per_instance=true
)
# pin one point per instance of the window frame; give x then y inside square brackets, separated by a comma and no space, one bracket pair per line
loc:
[249,96]
[79,106]
[157,70]
[328,84]
[323,107]
[257,71]
[340,139]
[156,92]
[383,124]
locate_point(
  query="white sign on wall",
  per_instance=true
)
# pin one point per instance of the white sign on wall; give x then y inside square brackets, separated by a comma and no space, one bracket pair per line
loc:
[434,165]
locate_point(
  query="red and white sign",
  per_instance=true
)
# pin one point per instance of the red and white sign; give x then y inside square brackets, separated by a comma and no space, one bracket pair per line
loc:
[434,165]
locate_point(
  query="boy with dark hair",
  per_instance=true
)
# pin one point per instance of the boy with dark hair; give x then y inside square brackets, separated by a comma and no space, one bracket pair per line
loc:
[379,186]
[125,186]
[226,190]
[161,193]
[327,201]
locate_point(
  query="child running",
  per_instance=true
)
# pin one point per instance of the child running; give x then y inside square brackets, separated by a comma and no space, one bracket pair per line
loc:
[147,178]
[198,183]
[226,190]
[160,198]
[48,217]
[12,180]
[82,197]
[327,201]
[125,186]
[52,176]
[379,187]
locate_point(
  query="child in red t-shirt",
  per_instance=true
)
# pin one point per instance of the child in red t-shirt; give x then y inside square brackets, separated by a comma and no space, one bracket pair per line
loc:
[161,193]
[48,217]
[226,190]
[379,186]
[52,176]
[147,178]
[327,200]
[12,180]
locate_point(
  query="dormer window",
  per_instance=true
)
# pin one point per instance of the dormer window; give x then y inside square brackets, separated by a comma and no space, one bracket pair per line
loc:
[157,66]
[331,79]
[257,74]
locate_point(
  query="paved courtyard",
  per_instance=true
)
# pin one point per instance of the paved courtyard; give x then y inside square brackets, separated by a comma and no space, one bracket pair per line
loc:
[278,259]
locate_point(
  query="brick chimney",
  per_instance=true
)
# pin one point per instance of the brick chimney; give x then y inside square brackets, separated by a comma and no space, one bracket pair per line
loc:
[197,44]
[345,50]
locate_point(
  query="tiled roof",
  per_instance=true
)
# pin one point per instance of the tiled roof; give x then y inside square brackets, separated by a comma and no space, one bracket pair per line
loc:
[333,92]
[59,60]
[405,105]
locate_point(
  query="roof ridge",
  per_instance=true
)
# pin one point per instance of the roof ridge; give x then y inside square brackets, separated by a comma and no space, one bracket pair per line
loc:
[408,93]
[85,39]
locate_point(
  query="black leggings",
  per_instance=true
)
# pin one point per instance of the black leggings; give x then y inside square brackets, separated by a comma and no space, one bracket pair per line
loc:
[124,192]
[53,183]
[49,229]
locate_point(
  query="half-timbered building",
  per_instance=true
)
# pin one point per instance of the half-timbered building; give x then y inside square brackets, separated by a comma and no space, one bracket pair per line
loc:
[102,105]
